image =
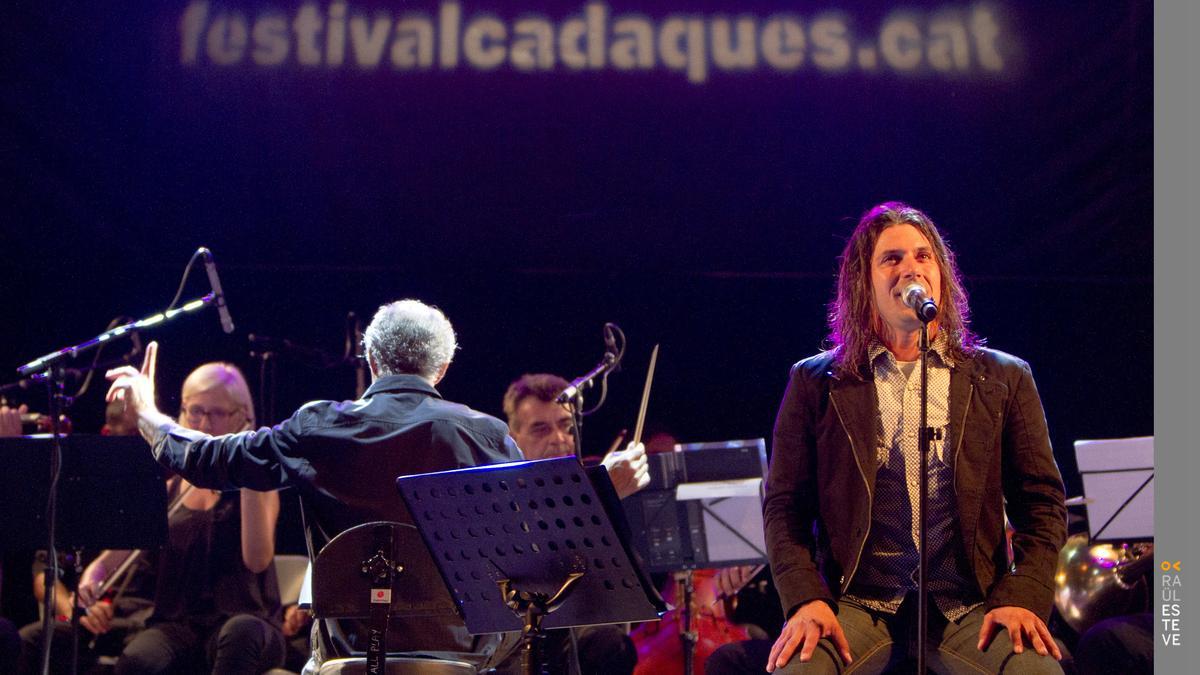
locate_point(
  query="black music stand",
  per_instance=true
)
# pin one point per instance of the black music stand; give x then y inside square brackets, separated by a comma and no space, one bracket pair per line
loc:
[703,508]
[112,494]
[530,546]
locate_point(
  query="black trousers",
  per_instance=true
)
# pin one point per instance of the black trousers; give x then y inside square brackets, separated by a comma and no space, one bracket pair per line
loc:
[242,644]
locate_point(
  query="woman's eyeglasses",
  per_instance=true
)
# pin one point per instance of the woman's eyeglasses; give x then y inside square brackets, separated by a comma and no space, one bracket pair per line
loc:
[195,413]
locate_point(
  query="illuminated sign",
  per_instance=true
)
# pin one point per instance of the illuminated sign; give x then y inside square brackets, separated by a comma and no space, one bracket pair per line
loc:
[957,41]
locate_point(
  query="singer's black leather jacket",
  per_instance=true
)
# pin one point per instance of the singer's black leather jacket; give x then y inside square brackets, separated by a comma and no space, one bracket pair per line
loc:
[822,473]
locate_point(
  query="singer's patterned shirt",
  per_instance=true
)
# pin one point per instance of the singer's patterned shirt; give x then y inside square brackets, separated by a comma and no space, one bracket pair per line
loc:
[888,568]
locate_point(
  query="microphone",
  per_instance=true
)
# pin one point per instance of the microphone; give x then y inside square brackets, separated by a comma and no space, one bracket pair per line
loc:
[573,389]
[918,299]
[610,345]
[610,363]
[213,280]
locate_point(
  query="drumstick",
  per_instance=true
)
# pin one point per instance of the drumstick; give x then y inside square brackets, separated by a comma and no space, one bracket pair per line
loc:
[641,419]
[616,444]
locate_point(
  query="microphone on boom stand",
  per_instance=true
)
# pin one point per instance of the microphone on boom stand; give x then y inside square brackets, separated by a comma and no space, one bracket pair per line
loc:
[609,363]
[572,396]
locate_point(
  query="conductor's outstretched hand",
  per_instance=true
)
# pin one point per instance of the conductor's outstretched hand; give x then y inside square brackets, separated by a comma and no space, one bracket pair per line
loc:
[134,387]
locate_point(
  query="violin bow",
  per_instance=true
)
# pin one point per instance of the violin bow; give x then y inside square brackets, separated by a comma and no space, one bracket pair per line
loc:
[641,418]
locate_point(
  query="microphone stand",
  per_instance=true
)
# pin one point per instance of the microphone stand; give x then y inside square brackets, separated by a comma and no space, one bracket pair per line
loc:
[575,403]
[269,351]
[923,500]
[43,364]
[55,379]
[77,613]
[609,363]
[572,396]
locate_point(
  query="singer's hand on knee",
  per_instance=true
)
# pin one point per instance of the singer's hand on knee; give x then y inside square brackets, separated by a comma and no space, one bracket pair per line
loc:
[813,621]
[1023,627]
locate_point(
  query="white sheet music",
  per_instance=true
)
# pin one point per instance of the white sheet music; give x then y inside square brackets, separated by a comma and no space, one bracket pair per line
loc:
[742,487]
[1113,471]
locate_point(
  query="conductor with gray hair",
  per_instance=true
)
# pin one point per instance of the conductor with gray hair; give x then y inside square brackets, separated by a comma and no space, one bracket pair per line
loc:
[408,336]
[344,456]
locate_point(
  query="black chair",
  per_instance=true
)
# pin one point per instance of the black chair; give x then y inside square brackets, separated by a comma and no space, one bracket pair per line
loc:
[352,577]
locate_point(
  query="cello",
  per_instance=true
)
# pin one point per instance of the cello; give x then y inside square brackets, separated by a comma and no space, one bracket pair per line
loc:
[671,645]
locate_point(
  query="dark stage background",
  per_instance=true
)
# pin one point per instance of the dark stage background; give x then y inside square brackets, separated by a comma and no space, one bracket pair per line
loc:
[697,205]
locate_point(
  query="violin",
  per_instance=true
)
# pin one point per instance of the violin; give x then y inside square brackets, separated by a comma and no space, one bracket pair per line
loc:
[659,647]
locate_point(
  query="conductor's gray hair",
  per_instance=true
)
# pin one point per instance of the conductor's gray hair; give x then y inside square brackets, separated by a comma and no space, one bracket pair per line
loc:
[409,337]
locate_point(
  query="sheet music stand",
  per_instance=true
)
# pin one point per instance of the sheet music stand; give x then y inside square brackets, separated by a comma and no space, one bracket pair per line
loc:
[530,546]
[703,507]
[112,494]
[1118,482]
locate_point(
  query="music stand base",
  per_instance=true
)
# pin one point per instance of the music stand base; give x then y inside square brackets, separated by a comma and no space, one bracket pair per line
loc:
[532,608]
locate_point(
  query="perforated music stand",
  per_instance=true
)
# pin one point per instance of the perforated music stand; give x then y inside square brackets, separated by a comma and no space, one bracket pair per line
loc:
[111,493]
[531,546]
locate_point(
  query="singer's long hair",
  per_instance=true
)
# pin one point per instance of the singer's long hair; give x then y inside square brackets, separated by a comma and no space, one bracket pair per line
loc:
[853,318]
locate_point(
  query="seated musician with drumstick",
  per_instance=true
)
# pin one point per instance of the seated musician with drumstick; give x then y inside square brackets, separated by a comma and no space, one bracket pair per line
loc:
[544,429]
